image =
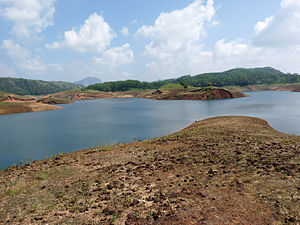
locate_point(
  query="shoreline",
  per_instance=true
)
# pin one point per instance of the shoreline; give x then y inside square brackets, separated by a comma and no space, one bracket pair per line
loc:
[238,165]
[50,102]
[7,108]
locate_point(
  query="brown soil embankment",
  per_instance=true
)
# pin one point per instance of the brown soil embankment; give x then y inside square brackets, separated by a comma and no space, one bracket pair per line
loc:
[274,87]
[22,107]
[209,93]
[87,95]
[224,170]
[54,101]
[164,94]
[10,103]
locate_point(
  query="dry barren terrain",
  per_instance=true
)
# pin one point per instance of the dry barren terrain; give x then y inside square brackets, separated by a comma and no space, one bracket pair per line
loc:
[224,170]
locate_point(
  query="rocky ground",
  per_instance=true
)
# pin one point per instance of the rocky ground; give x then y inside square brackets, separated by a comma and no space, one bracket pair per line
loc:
[224,170]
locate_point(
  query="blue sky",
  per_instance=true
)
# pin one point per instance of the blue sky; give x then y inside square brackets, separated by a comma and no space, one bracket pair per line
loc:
[145,40]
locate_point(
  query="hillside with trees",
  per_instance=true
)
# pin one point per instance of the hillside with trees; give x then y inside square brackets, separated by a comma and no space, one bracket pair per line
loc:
[235,77]
[22,86]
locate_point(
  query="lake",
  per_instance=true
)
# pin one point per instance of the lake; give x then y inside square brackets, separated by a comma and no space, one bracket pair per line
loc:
[91,123]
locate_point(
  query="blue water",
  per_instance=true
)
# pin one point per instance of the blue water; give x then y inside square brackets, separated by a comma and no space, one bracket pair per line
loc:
[107,121]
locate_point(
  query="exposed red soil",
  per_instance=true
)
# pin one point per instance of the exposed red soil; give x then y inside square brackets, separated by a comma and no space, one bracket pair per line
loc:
[197,94]
[54,101]
[82,95]
[11,98]
[22,107]
[275,87]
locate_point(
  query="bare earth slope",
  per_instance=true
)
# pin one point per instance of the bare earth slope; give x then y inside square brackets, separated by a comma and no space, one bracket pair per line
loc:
[207,93]
[10,103]
[274,87]
[22,107]
[224,170]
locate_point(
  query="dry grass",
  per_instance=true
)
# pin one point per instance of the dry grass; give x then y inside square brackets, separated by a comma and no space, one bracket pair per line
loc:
[225,170]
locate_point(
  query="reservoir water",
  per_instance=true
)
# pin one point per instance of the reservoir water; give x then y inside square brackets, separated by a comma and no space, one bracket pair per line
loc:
[91,123]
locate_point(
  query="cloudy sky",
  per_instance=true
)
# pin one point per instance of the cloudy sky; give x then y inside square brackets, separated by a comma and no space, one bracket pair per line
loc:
[145,40]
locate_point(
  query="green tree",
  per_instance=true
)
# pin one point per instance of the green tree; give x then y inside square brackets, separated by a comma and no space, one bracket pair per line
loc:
[184,84]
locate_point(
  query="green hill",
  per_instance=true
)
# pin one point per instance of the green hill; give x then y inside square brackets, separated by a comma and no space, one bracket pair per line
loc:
[241,77]
[22,86]
[234,77]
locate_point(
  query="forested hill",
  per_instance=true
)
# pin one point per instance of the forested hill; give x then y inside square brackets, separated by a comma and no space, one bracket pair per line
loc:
[34,87]
[234,77]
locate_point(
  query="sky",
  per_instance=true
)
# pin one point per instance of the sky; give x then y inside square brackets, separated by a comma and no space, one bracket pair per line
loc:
[68,40]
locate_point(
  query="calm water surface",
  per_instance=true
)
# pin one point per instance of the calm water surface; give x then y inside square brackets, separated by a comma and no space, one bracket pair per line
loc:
[107,121]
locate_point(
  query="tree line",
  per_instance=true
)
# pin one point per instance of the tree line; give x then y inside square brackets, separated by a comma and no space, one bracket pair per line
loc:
[234,77]
[34,87]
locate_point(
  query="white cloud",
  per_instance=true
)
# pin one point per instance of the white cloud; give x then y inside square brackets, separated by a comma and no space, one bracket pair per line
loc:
[237,53]
[290,3]
[275,42]
[175,38]
[225,49]
[6,70]
[125,31]
[282,29]
[29,16]
[22,57]
[94,35]
[117,56]
[127,75]
[260,26]
[178,30]
[177,46]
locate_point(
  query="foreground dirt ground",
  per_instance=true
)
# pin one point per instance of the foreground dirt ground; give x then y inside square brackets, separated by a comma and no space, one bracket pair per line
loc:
[224,170]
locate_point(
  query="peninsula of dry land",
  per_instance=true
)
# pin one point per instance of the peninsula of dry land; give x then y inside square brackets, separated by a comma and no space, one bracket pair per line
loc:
[224,170]
[177,93]
[10,103]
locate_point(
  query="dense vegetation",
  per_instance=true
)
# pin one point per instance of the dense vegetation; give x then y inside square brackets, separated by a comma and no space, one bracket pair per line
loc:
[34,87]
[234,77]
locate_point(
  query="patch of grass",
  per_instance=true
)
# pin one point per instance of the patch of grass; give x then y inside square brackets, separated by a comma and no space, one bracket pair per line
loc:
[42,176]
[113,218]
[27,161]
[9,188]
[33,208]
[11,103]
[107,148]
[90,91]
[12,192]
[171,86]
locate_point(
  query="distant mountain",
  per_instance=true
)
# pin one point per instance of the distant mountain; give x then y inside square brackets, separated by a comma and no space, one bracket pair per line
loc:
[88,81]
[22,86]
